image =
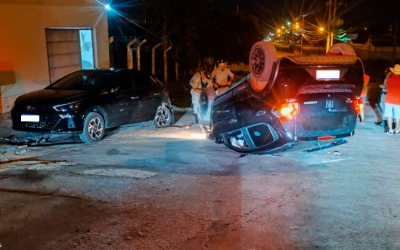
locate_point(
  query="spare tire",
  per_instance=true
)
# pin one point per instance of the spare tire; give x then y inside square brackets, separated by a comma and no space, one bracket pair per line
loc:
[261,59]
[341,49]
[207,97]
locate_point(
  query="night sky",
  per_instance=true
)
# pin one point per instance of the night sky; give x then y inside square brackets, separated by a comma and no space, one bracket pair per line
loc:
[357,14]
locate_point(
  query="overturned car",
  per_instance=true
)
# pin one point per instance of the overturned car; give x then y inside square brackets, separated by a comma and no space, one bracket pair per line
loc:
[294,98]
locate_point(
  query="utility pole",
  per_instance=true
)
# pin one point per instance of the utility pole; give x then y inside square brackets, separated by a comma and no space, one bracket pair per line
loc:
[302,35]
[328,43]
[333,21]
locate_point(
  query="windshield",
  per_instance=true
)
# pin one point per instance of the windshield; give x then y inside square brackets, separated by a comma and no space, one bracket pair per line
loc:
[81,80]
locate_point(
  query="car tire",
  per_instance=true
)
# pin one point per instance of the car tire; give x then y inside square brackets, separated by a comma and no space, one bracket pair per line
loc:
[261,60]
[207,97]
[93,128]
[341,49]
[163,117]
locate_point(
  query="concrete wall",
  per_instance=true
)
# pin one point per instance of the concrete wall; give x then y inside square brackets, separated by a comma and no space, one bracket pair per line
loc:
[23,51]
[367,51]
[379,53]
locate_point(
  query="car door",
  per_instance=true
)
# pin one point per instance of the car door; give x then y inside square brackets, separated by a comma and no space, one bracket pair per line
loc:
[123,103]
[223,115]
[149,94]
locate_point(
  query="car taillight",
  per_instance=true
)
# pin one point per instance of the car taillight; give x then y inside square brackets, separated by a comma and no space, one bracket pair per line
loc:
[358,105]
[286,110]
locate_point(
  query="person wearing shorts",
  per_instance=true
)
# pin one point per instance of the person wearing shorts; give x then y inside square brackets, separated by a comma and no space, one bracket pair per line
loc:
[392,101]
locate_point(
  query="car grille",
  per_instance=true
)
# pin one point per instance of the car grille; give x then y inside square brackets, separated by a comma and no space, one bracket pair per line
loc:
[37,125]
[46,123]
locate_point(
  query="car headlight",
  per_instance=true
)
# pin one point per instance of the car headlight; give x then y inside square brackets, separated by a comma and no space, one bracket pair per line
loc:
[73,106]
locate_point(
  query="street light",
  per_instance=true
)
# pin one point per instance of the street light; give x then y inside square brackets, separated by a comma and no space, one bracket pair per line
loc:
[107,6]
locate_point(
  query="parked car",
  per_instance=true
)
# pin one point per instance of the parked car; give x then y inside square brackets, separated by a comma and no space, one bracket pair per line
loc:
[294,98]
[89,101]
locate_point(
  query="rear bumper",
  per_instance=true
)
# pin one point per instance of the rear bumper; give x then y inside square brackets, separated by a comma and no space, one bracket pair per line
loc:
[319,138]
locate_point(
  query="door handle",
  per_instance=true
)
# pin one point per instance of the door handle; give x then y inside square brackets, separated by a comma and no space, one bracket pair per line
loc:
[223,111]
[134,97]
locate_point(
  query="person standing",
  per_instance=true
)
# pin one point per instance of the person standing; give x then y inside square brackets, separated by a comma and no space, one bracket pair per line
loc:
[221,77]
[392,102]
[383,97]
[198,81]
[364,97]
[374,93]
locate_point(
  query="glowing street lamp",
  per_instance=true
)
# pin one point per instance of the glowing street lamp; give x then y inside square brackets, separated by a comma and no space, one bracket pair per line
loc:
[107,6]
[321,29]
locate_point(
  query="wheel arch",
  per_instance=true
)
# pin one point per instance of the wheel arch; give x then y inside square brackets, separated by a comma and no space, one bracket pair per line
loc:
[168,106]
[101,111]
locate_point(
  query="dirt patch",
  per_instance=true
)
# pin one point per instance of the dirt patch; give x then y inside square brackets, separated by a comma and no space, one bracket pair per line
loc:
[132,173]
[66,226]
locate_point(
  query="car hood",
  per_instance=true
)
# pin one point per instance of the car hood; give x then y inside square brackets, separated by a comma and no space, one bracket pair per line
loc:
[52,97]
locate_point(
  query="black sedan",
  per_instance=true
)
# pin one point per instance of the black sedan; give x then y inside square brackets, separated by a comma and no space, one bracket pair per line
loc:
[295,98]
[89,101]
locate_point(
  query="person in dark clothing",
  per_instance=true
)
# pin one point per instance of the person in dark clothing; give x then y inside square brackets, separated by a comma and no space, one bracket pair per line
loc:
[374,93]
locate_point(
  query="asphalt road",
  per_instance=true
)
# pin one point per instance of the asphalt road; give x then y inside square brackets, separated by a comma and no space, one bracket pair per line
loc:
[147,188]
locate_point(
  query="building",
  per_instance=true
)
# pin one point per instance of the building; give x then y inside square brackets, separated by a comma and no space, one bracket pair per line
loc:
[44,40]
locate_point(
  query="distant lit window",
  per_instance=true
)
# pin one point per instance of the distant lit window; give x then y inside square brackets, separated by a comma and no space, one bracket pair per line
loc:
[86,44]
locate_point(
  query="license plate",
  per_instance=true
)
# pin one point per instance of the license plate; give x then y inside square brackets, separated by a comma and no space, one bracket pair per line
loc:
[29,118]
[328,74]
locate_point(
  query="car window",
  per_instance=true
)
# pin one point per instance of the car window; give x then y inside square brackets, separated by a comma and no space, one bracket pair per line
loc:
[121,81]
[141,80]
[80,80]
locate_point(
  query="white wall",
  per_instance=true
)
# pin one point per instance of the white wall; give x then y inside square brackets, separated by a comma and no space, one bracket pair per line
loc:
[23,42]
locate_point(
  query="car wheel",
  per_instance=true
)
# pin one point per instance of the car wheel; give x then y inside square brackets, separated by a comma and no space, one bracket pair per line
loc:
[93,128]
[207,97]
[261,59]
[341,49]
[163,117]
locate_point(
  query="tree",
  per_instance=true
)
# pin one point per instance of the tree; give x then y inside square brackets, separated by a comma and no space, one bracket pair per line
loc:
[197,31]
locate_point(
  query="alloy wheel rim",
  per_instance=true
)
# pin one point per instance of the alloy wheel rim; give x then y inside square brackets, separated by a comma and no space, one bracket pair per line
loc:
[257,61]
[162,117]
[204,103]
[95,128]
